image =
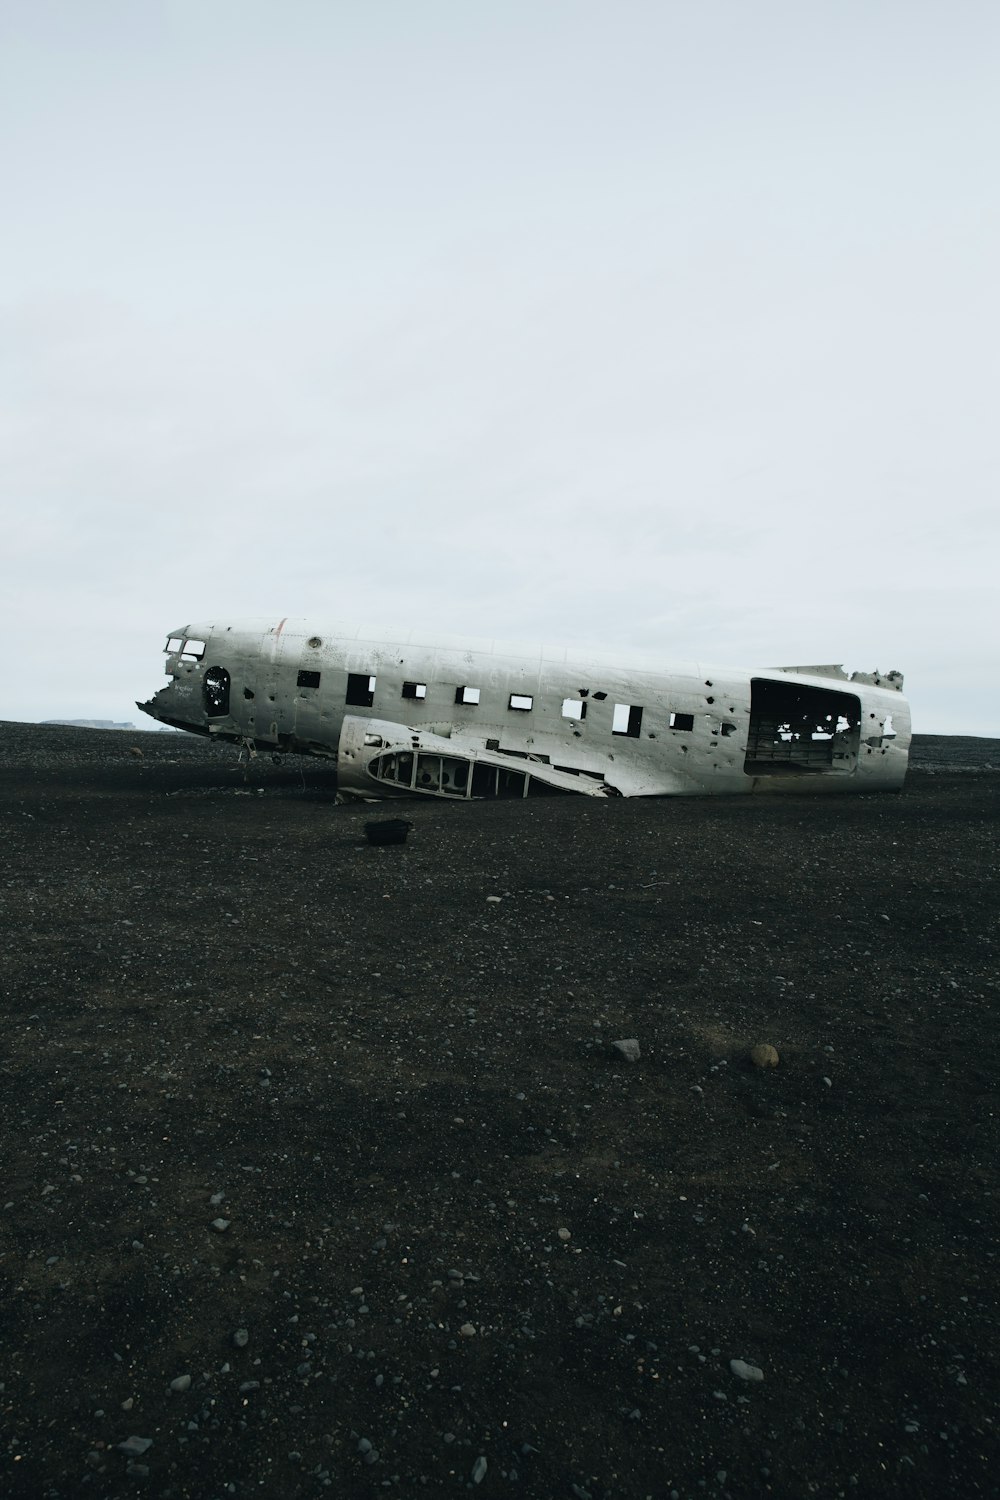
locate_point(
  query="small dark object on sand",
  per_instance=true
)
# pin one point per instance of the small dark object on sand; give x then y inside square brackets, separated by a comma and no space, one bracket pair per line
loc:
[388,831]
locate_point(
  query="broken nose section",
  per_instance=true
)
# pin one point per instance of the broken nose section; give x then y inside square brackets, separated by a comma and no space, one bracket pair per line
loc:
[178,705]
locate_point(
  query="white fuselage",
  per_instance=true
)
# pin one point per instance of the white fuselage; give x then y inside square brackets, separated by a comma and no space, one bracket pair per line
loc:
[553,720]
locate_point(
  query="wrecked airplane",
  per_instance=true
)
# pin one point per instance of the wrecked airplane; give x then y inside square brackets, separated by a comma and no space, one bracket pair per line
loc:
[465,719]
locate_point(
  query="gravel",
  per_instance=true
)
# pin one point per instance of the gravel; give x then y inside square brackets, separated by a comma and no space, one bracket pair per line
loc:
[441,1103]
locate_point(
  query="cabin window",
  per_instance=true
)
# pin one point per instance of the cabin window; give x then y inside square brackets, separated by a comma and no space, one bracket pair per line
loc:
[627,720]
[469,695]
[414,690]
[573,709]
[682,721]
[307,679]
[360,690]
[521,702]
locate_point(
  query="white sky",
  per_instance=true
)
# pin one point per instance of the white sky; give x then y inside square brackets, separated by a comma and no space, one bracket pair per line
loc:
[653,325]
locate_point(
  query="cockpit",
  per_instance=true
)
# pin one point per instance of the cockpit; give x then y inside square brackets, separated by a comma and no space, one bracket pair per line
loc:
[186,648]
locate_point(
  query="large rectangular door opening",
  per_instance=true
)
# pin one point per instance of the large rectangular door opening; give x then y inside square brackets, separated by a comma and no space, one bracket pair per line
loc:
[796,730]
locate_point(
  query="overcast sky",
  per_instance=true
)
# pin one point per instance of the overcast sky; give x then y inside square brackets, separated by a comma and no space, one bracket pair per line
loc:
[658,325]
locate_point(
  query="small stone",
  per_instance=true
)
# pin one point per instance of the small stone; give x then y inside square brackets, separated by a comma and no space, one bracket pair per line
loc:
[182,1383]
[564,1234]
[628,1048]
[479,1470]
[743,1371]
[763,1055]
[241,1338]
[135,1447]
[127,1404]
[492,899]
[364,1446]
[216,1199]
[468,1330]
[221,1225]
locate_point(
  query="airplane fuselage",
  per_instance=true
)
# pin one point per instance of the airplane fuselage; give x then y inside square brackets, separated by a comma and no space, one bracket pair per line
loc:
[458,719]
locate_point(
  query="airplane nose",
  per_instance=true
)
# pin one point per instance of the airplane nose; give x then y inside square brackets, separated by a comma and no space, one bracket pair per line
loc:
[179,704]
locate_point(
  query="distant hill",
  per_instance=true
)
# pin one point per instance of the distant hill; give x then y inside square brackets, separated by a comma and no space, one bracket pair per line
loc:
[90,723]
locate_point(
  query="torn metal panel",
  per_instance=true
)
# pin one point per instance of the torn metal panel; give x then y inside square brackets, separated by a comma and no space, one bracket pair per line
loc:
[462,720]
[892,680]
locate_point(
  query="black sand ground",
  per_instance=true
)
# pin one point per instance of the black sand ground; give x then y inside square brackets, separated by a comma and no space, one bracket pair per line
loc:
[260,1077]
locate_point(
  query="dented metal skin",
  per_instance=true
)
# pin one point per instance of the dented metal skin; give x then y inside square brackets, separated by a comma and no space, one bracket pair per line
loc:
[465,719]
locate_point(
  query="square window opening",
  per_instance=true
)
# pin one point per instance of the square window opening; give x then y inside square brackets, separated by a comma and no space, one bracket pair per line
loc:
[573,708]
[521,702]
[415,690]
[360,690]
[682,721]
[469,695]
[627,720]
[307,679]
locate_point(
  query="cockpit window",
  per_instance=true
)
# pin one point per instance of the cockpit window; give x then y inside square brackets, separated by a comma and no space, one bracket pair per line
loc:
[174,644]
[193,650]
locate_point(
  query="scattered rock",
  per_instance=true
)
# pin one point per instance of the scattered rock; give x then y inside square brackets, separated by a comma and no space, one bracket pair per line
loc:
[135,1447]
[628,1048]
[743,1371]
[479,1470]
[763,1055]
[468,1330]
[564,1234]
[241,1338]
[182,1383]
[221,1225]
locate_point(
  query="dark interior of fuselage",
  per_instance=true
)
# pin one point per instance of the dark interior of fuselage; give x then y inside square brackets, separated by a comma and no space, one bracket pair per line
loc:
[797,729]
